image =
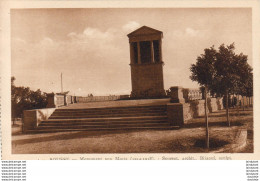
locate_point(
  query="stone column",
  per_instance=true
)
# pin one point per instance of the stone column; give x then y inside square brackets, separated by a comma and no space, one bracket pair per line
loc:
[185,93]
[152,51]
[131,53]
[160,50]
[139,52]
[177,95]
[51,101]
[65,100]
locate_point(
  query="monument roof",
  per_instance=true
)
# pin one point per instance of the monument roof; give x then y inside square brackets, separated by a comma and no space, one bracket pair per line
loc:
[144,30]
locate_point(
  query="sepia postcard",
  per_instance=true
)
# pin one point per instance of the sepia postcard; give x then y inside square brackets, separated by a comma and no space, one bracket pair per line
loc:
[130,80]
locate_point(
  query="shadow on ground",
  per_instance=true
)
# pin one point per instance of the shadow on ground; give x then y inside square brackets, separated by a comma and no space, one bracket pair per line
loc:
[72,135]
[213,124]
[213,143]
[230,114]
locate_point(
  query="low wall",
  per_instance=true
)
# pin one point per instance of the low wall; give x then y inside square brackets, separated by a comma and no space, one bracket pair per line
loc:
[55,100]
[175,114]
[181,113]
[212,104]
[32,118]
[188,114]
[197,108]
[97,99]
[220,103]
[69,99]
[245,101]
[58,100]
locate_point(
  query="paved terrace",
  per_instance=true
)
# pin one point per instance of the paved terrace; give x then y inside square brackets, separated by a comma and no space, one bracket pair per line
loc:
[118,103]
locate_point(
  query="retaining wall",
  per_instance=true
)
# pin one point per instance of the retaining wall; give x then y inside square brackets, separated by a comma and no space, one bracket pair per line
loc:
[181,113]
[32,118]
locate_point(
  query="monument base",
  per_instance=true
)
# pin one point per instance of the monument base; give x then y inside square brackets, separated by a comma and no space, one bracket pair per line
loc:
[148,94]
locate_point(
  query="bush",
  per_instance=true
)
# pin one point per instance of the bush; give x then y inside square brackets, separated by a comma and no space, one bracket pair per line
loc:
[24,99]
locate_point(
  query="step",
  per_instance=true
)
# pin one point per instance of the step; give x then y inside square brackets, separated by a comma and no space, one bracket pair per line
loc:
[106,119]
[105,126]
[103,122]
[106,115]
[109,110]
[117,119]
[106,112]
[116,108]
[110,118]
[101,129]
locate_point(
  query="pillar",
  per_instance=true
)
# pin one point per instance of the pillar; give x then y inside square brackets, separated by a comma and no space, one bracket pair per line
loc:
[177,95]
[185,93]
[139,53]
[51,101]
[131,53]
[160,50]
[152,51]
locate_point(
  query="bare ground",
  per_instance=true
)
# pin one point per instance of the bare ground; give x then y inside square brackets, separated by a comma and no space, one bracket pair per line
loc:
[189,139]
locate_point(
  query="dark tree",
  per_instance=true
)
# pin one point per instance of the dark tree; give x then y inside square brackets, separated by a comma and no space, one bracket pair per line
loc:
[23,99]
[204,73]
[233,74]
[223,73]
[245,85]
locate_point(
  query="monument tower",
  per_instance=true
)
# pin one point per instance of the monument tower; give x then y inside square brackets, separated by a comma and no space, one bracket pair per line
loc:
[146,63]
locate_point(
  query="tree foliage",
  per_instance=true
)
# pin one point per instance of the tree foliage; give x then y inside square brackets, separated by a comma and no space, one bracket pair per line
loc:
[204,71]
[223,71]
[23,99]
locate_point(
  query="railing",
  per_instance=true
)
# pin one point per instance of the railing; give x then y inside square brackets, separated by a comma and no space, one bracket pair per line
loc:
[182,95]
[57,100]
[97,98]
[192,94]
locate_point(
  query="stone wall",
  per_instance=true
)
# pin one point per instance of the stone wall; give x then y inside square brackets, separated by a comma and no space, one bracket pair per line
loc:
[181,113]
[175,113]
[212,104]
[58,100]
[32,118]
[97,98]
[187,112]
[197,108]
[220,103]
[245,101]
[191,104]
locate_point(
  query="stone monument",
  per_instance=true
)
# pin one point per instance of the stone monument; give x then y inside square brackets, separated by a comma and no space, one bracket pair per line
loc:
[146,63]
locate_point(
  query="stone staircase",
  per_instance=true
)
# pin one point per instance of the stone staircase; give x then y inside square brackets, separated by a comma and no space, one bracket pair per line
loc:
[113,118]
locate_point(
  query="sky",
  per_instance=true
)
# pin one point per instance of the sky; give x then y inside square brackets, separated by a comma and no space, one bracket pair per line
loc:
[90,46]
